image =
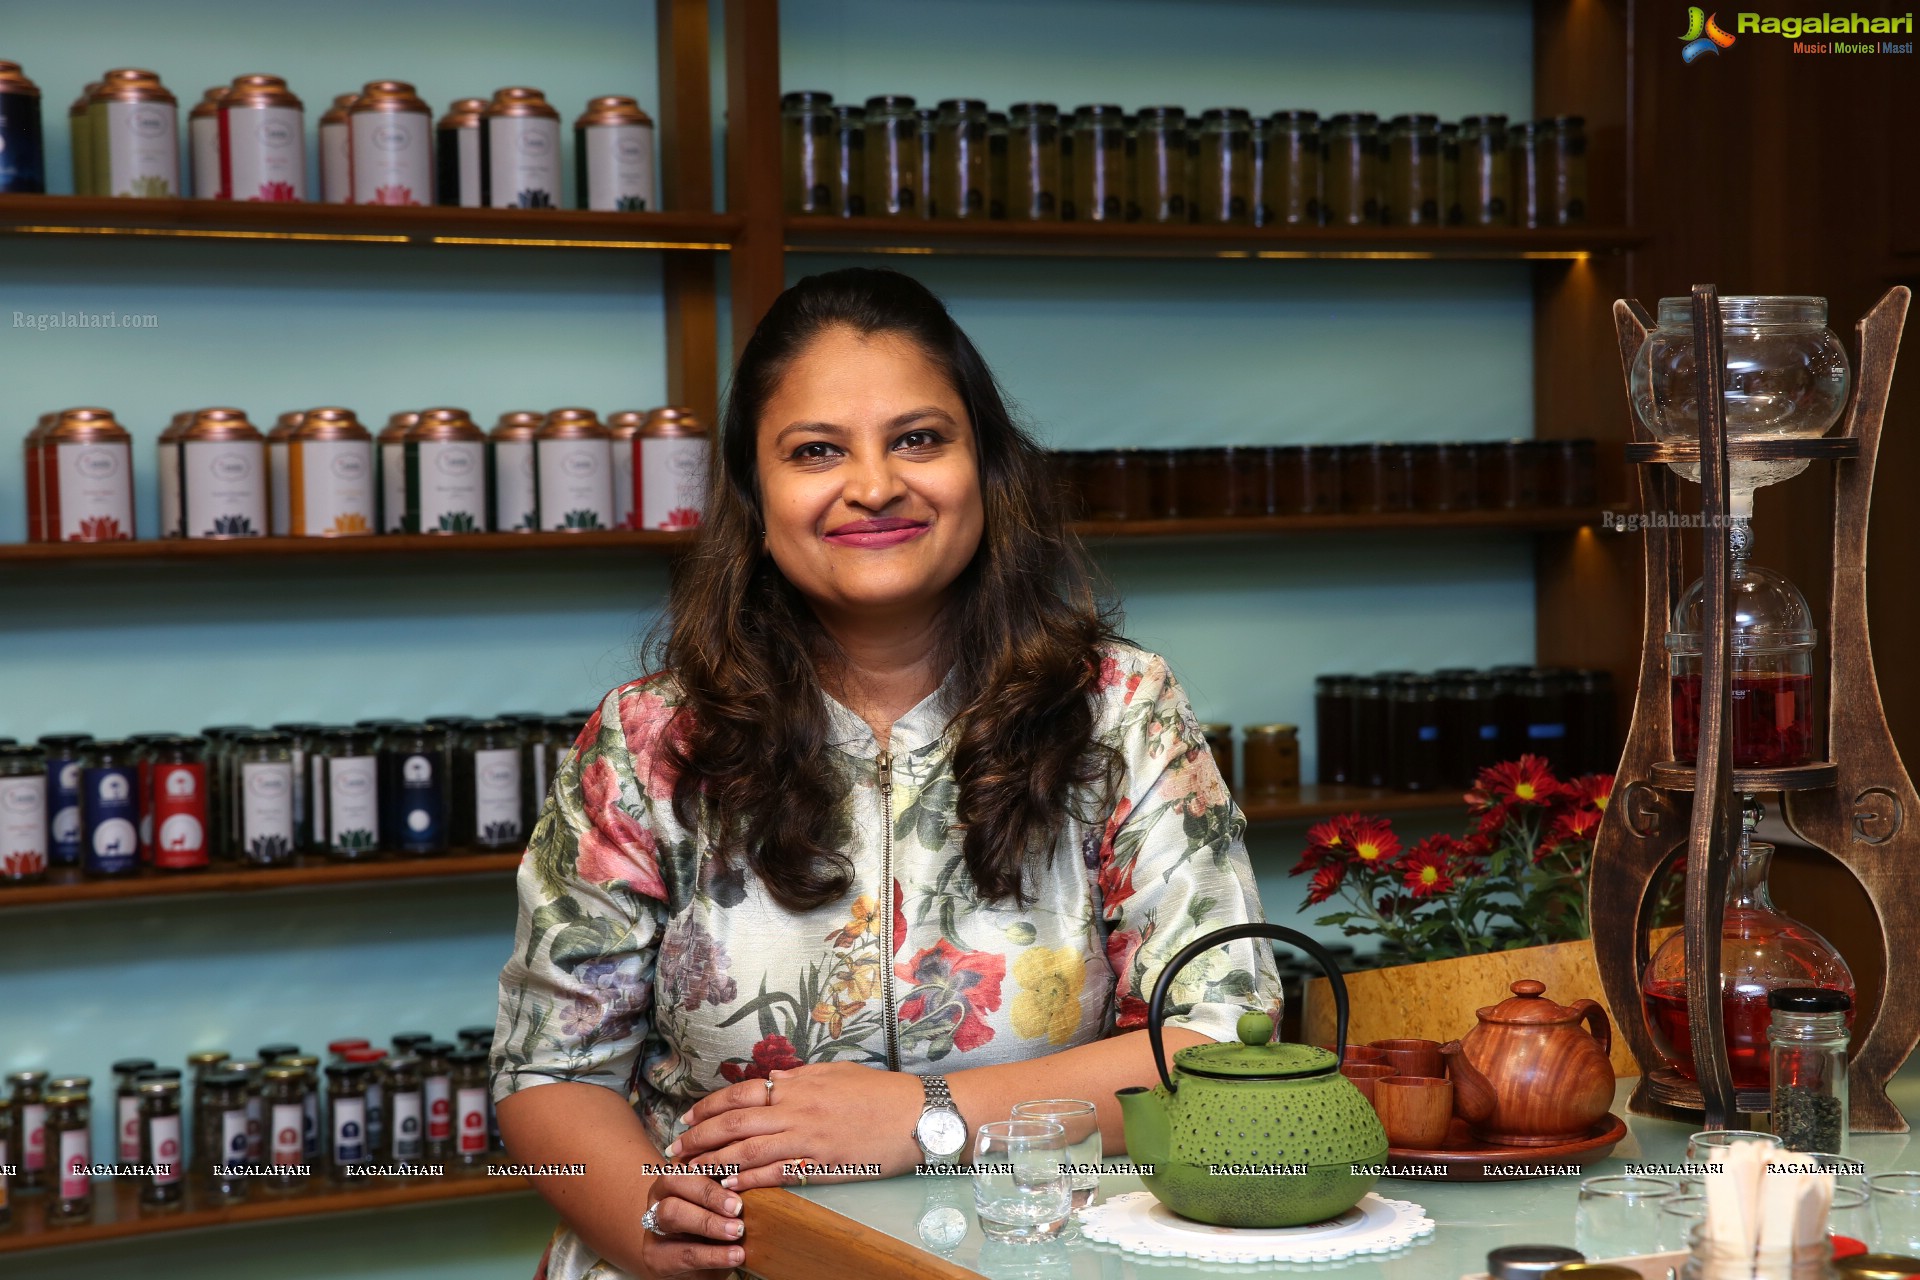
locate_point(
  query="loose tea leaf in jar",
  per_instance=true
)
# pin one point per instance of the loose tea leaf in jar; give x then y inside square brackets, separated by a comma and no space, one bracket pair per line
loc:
[1807,1120]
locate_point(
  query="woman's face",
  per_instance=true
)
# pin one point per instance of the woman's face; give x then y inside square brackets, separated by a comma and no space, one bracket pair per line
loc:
[869,479]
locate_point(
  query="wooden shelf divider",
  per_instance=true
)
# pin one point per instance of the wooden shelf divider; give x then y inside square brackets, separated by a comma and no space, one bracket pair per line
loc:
[67,884]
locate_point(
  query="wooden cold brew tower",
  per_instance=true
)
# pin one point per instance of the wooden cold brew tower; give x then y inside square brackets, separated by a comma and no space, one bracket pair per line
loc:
[1854,806]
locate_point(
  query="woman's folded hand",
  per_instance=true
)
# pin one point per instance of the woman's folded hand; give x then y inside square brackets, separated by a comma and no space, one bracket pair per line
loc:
[827,1122]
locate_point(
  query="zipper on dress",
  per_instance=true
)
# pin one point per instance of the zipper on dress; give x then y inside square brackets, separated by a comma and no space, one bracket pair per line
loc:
[883,774]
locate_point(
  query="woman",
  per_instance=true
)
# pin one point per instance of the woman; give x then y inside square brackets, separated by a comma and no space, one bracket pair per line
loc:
[900,835]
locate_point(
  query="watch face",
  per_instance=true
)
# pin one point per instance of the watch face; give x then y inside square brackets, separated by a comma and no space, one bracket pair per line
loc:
[942,1133]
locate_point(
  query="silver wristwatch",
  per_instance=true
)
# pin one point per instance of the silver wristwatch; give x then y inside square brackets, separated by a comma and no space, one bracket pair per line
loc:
[941,1131]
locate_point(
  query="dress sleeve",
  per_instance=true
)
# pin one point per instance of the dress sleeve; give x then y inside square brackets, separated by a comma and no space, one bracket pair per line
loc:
[1173,867]
[576,995]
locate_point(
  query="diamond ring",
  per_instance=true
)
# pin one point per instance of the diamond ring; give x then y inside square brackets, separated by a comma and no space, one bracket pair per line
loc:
[650,1220]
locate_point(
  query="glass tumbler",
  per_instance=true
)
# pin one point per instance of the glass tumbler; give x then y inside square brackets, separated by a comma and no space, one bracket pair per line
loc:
[1710,1146]
[1618,1214]
[1894,1205]
[1020,1185]
[1082,1124]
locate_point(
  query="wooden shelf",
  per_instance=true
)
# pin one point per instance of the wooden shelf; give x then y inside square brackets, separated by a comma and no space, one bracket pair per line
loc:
[66,884]
[1326,802]
[239,220]
[118,1214]
[1157,240]
[189,550]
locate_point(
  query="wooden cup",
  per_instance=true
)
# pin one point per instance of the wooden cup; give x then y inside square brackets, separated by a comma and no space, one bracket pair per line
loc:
[1359,1053]
[1412,1057]
[1365,1075]
[1414,1110]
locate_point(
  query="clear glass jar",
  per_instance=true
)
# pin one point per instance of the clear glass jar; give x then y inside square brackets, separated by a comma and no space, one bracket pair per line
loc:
[487,805]
[221,1139]
[413,787]
[1563,171]
[893,157]
[1411,195]
[127,1106]
[310,1113]
[436,1080]
[1771,724]
[1160,166]
[997,131]
[1809,1036]
[347,1145]
[1033,162]
[1290,184]
[847,167]
[283,1097]
[1523,163]
[1225,180]
[1270,759]
[347,795]
[69,1151]
[256,1110]
[806,137]
[1100,179]
[1709,1259]
[27,1096]
[1450,214]
[375,1062]
[23,815]
[1486,172]
[162,1144]
[1349,169]
[926,123]
[259,813]
[960,171]
[472,1133]
[109,809]
[406,1113]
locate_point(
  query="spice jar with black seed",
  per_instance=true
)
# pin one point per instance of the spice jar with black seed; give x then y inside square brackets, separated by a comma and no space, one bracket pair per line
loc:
[1809,1037]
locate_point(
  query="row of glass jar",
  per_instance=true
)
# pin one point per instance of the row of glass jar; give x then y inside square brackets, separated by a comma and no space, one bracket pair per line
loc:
[1270,757]
[1103,163]
[1414,732]
[171,803]
[1256,480]
[420,1110]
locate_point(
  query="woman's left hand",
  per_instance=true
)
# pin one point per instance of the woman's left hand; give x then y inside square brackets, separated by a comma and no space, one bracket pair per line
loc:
[831,1114]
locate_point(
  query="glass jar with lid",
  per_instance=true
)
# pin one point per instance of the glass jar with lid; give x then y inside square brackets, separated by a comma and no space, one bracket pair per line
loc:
[806,137]
[926,122]
[310,1104]
[1033,162]
[1290,186]
[28,1116]
[69,1149]
[127,1106]
[1369,737]
[1225,179]
[413,787]
[1486,172]
[222,1143]
[997,130]
[1100,178]
[1563,171]
[347,1147]
[436,1081]
[406,1127]
[1450,214]
[259,813]
[847,163]
[1270,761]
[284,1095]
[162,1145]
[346,798]
[1349,169]
[960,171]
[1808,1077]
[1160,165]
[1333,729]
[1413,729]
[375,1061]
[1411,195]
[472,1134]
[23,815]
[1523,163]
[893,157]
[109,809]
[486,787]
[1771,724]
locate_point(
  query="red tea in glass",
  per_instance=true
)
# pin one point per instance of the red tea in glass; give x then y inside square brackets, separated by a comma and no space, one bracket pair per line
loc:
[1771,725]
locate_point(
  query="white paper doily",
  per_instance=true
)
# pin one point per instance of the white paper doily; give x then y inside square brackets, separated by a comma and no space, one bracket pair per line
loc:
[1138,1223]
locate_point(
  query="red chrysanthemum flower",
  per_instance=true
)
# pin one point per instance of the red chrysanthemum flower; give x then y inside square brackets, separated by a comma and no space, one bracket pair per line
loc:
[1573,826]
[1326,883]
[1373,841]
[1524,781]
[1427,870]
[1591,791]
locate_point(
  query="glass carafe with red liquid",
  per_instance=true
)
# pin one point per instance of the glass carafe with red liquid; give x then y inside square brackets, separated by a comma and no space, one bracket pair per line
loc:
[1761,949]
[1771,724]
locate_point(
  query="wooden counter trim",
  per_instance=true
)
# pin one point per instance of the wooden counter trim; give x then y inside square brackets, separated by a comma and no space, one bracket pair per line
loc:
[791,1238]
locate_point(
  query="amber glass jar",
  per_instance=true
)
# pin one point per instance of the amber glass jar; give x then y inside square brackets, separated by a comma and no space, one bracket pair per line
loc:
[1033,162]
[1349,169]
[1510,475]
[1253,480]
[806,138]
[1411,192]
[1369,736]
[997,130]
[960,173]
[1100,179]
[1205,479]
[1290,180]
[1450,174]
[1272,760]
[1321,478]
[1456,481]
[1413,733]
[1486,172]
[1378,477]
[1225,178]
[1568,478]
[1163,482]
[1118,485]
[927,122]
[1160,166]
[893,157]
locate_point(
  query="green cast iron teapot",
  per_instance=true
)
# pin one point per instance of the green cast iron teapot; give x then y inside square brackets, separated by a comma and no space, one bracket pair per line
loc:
[1215,1129]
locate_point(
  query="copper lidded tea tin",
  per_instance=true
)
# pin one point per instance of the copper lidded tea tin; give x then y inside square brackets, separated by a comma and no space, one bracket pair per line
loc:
[613,156]
[624,429]
[390,458]
[390,145]
[520,151]
[223,476]
[573,472]
[80,126]
[203,144]
[516,501]
[446,474]
[23,167]
[279,493]
[167,465]
[330,476]
[263,142]
[135,140]
[36,477]
[670,470]
[336,165]
[458,151]
[86,481]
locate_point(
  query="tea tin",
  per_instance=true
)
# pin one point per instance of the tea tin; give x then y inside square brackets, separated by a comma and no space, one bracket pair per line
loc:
[346,795]
[486,786]
[87,478]
[176,812]
[336,164]
[573,472]
[223,476]
[263,142]
[390,145]
[672,470]
[413,760]
[23,814]
[135,140]
[457,149]
[520,151]
[203,144]
[510,448]
[22,158]
[330,476]
[36,477]
[279,469]
[391,454]
[109,809]
[167,468]
[80,129]
[613,156]
[63,795]
[445,474]
[263,831]
[623,428]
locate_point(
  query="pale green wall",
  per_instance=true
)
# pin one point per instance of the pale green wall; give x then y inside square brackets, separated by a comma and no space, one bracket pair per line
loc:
[1091,352]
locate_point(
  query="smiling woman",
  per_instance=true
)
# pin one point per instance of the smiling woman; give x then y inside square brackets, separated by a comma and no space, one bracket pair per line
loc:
[900,833]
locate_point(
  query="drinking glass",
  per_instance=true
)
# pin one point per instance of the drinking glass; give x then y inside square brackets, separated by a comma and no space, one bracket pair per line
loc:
[1709,1146]
[1618,1214]
[1679,1214]
[1082,1123]
[1850,1215]
[1020,1189]
[1895,1211]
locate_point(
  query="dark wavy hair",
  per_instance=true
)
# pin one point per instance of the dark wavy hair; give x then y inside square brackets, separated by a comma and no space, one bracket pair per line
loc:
[1021,627]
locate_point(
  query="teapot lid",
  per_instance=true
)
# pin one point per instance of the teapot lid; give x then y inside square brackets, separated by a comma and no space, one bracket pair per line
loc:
[1253,1057]
[1528,1004]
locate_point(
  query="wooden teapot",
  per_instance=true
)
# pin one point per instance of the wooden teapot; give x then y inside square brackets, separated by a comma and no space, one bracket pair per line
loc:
[1530,1074]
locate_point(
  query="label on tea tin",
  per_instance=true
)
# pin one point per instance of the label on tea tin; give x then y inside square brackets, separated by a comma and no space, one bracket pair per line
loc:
[472,1105]
[353,804]
[331,482]
[446,485]
[576,484]
[180,815]
[349,1130]
[203,156]
[33,1129]
[92,494]
[76,1153]
[235,1146]
[422,807]
[466,173]
[63,806]
[263,153]
[23,826]
[279,487]
[129,1128]
[163,1142]
[616,166]
[514,503]
[223,487]
[336,173]
[22,171]
[673,482]
[522,162]
[391,153]
[288,1148]
[406,1122]
[439,1108]
[266,811]
[496,797]
[109,819]
[393,487]
[626,505]
[169,468]
[136,148]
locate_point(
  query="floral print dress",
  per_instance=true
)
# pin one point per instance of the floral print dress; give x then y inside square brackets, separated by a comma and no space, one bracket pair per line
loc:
[639,965]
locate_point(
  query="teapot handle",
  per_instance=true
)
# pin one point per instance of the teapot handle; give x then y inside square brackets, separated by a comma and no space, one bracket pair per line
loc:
[1594,1014]
[1156,1011]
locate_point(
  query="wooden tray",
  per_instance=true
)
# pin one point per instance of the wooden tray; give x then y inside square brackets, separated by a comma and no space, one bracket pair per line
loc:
[1466,1159]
